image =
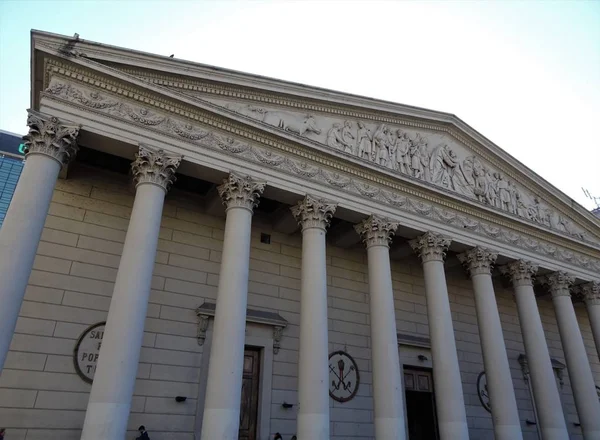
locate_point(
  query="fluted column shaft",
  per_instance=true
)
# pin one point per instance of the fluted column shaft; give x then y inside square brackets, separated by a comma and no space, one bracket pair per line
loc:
[505,414]
[313,366]
[551,420]
[110,398]
[221,416]
[578,365]
[49,146]
[388,394]
[450,403]
[591,296]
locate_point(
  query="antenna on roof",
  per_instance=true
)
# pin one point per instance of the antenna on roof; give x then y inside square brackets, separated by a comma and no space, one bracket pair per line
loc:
[595,199]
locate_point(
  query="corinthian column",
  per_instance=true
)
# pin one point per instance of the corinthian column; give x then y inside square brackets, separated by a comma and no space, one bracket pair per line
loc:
[578,365]
[221,417]
[591,296]
[505,416]
[449,399]
[388,393]
[110,399]
[49,145]
[545,392]
[313,366]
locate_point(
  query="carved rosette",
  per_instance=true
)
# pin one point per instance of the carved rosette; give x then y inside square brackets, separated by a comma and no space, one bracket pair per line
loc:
[521,272]
[591,293]
[376,231]
[559,282]
[155,166]
[240,191]
[48,136]
[478,261]
[431,246]
[311,212]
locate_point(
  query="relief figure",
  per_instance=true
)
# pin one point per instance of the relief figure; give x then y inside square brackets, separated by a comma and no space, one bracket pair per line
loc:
[298,124]
[348,138]
[402,157]
[381,153]
[334,137]
[363,141]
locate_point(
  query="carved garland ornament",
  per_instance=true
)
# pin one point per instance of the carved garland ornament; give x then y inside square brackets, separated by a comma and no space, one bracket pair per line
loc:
[376,231]
[389,197]
[48,136]
[312,212]
[155,167]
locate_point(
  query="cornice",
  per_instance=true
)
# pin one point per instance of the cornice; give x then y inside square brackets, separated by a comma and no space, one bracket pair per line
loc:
[293,159]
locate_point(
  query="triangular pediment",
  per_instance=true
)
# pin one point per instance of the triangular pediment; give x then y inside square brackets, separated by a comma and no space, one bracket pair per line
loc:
[420,147]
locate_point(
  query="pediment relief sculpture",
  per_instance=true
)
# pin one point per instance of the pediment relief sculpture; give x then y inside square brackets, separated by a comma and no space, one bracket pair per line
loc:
[429,157]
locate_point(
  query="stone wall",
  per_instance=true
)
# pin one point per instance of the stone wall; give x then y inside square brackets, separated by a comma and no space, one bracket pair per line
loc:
[41,396]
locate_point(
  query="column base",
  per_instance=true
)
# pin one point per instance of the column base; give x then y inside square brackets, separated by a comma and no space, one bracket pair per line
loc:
[389,428]
[508,432]
[454,431]
[313,426]
[105,421]
[220,424]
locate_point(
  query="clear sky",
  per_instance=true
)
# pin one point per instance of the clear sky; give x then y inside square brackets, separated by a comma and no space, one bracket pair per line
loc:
[525,74]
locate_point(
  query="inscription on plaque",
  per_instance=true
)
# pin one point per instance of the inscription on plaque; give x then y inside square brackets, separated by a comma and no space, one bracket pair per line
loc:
[85,355]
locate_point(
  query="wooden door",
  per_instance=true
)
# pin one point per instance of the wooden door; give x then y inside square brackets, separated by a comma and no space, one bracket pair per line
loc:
[249,403]
[417,380]
[420,405]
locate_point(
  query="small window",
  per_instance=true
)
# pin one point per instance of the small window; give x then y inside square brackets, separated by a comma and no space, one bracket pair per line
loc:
[265,238]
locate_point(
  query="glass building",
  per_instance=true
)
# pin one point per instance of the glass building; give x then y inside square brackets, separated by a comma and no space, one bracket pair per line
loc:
[11,165]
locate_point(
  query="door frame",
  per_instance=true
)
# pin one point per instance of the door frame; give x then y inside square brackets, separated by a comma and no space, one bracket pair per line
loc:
[258,337]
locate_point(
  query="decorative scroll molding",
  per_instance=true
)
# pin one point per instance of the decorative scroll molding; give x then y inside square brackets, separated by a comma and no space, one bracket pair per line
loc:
[311,212]
[207,310]
[478,260]
[378,192]
[376,231]
[591,293]
[48,136]
[156,167]
[559,283]
[431,246]
[521,272]
[240,191]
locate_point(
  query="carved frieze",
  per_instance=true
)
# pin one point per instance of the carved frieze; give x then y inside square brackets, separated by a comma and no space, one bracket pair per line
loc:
[60,89]
[428,157]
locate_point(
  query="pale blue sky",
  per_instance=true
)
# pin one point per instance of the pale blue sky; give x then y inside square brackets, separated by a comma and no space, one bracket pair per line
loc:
[525,74]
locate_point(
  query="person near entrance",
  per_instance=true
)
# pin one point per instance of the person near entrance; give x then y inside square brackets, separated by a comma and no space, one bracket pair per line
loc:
[143,433]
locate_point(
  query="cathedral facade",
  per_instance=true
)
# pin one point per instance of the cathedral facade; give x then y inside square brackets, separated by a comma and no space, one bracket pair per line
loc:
[221,256]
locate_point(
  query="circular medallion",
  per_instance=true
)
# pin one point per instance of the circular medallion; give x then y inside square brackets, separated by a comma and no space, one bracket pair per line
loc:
[482,392]
[85,355]
[343,376]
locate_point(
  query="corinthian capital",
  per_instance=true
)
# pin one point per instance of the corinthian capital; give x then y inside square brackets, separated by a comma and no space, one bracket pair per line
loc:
[431,246]
[591,293]
[559,283]
[48,136]
[155,166]
[240,191]
[478,260]
[521,272]
[311,212]
[376,231]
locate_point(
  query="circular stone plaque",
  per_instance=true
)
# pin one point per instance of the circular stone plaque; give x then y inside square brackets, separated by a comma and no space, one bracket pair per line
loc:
[343,376]
[85,355]
[482,392]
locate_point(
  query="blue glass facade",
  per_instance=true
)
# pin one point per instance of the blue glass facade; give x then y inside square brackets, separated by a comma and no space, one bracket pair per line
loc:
[11,165]
[10,170]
